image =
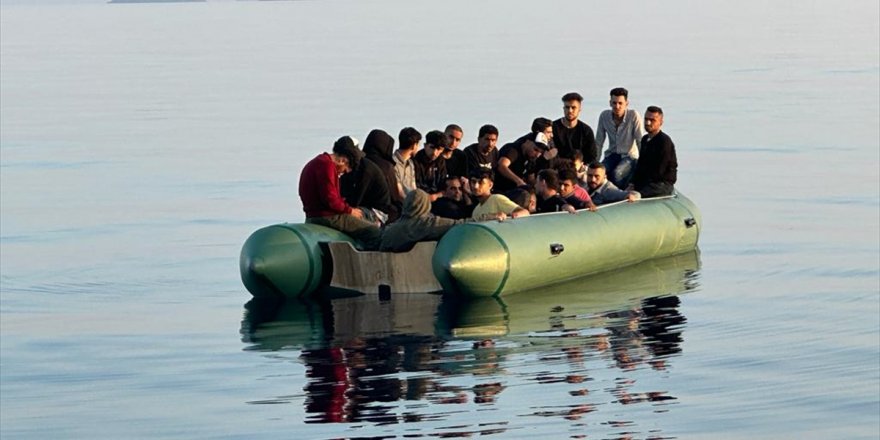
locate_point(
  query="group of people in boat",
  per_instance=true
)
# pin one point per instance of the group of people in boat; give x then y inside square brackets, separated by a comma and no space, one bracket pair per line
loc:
[389,199]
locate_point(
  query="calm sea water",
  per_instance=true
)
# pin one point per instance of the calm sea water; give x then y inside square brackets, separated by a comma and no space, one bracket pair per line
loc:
[142,143]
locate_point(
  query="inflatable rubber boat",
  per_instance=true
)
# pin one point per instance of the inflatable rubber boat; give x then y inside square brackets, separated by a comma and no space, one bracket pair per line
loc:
[472,259]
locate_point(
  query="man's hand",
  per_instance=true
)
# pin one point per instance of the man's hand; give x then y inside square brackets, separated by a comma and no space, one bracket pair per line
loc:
[592,206]
[357,213]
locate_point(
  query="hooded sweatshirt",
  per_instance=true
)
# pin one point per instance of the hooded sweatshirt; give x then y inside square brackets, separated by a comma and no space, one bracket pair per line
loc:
[379,149]
[415,224]
[366,187]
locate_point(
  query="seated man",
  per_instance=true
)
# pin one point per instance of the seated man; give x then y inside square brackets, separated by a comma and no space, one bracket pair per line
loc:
[483,155]
[409,139]
[415,224]
[517,161]
[491,206]
[379,149]
[573,194]
[366,187]
[657,169]
[549,200]
[623,128]
[430,166]
[456,162]
[523,196]
[454,204]
[602,190]
[321,200]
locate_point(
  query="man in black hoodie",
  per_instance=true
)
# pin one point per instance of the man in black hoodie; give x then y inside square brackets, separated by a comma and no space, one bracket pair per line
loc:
[364,189]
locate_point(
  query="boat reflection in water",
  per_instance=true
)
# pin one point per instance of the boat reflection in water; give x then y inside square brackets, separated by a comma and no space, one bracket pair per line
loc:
[394,359]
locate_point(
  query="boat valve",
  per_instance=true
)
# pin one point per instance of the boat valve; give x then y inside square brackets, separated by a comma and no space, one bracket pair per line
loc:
[556,248]
[690,222]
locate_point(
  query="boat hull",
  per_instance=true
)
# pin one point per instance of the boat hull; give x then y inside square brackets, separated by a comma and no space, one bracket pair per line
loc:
[484,259]
[497,258]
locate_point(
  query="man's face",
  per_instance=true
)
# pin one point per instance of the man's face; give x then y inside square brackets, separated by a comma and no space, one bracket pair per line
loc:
[566,187]
[595,178]
[653,122]
[618,105]
[453,189]
[454,137]
[488,141]
[533,153]
[432,152]
[481,187]
[571,110]
[342,165]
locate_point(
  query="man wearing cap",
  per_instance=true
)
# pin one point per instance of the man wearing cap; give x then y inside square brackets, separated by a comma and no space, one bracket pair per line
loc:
[430,166]
[517,161]
[321,199]
[570,133]
[623,128]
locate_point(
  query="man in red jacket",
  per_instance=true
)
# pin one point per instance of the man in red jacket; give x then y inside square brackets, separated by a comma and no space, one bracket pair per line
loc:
[321,200]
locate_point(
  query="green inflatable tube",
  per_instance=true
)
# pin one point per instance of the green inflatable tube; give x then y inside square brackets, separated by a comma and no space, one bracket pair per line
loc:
[286,260]
[497,258]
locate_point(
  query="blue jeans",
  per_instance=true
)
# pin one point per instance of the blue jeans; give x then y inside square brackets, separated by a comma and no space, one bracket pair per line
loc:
[620,169]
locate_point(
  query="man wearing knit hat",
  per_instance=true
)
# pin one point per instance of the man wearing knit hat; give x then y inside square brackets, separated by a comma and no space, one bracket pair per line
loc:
[321,199]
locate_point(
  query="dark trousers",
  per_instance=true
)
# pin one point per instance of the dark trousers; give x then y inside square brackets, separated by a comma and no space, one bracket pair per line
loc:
[656,189]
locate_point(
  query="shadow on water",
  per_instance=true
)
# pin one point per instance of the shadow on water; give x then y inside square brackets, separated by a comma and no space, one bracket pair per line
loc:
[365,354]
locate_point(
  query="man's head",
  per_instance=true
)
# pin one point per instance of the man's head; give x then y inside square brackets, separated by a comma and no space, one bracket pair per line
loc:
[548,182]
[455,134]
[487,138]
[596,175]
[452,189]
[653,120]
[535,147]
[346,155]
[577,159]
[543,125]
[409,139]
[567,180]
[619,101]
[482,182]
[435,143]
[571,106]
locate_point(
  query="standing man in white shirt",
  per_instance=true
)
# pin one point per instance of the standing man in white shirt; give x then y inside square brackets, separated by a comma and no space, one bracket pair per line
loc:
[624,129]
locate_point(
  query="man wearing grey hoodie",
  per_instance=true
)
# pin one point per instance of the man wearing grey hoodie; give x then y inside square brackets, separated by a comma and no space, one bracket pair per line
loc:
[415,224]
